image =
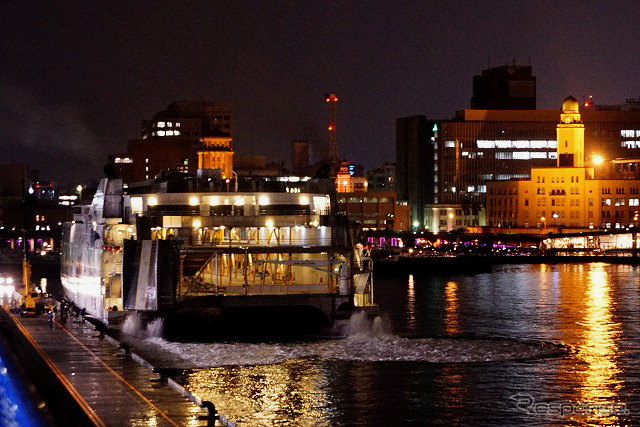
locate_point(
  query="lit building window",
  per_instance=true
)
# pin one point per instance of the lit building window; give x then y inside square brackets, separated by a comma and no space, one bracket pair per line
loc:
[146,160]
[161,124]
[161,133]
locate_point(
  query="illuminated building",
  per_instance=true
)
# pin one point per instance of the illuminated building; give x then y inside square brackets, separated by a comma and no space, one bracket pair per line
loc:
[216,153]
[448,217]
[508,87]
[347,182]
[173,139]
[193,119]
[375,210]
[415,180]
[488,145]
[581,191]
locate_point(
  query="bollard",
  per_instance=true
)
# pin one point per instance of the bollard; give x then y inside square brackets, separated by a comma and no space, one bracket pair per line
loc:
[212,413]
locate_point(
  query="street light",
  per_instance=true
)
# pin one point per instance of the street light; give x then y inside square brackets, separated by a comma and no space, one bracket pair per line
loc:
[544,223]
[555,216]
[597,160]
[236,180]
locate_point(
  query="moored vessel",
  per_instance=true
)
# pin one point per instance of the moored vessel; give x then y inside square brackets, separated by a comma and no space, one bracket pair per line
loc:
[229,261]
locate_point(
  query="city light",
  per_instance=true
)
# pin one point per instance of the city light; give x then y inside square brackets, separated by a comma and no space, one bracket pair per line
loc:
[597,160]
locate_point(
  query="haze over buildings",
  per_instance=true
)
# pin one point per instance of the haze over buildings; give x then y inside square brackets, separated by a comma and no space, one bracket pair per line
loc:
[85,74]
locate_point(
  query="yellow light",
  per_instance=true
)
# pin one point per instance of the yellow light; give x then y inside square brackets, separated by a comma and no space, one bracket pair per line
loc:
[152,201]
[214,201]
[79,188]
[269,223]
[304,200]
[263,200]
[597,160]
[450,216]
[543,219]
[197,223]
[194,201]
[239,201]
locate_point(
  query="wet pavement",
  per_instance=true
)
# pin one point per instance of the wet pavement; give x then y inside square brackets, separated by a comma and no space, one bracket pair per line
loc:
[119,390]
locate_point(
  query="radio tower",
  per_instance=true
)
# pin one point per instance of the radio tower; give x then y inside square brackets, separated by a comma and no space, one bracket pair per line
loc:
[332,147]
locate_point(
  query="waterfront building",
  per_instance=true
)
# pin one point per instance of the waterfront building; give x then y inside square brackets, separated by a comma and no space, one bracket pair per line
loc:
[375,210]
[488,145]
[416,166]
[581,191]
[448,217]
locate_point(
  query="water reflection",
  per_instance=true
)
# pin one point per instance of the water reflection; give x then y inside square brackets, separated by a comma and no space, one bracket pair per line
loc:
[451,308]
[599,382]
[411,304]
[291,392]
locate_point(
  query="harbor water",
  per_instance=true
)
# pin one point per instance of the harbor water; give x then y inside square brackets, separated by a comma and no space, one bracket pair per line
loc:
[535,344]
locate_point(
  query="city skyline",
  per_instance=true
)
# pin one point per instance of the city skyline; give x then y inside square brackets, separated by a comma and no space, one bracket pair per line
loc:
[82,78]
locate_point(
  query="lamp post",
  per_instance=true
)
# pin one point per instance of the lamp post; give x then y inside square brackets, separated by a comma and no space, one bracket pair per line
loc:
[235,175]
[544,223]
[555,216]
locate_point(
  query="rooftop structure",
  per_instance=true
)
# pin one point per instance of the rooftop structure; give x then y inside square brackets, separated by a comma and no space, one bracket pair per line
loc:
[508,87]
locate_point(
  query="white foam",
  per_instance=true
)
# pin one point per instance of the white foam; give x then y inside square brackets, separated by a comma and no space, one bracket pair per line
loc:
[133,326]
[357,347]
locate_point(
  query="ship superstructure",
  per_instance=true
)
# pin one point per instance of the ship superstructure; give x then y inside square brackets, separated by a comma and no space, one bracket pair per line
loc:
[161,249]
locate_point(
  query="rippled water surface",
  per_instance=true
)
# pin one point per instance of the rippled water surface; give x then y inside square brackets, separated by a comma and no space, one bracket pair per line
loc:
[460,350]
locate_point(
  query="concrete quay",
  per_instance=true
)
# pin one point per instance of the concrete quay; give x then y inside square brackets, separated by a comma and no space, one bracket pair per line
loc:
[106,385]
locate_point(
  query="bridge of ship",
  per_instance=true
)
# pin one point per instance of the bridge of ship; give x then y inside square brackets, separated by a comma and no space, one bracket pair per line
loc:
[260,270]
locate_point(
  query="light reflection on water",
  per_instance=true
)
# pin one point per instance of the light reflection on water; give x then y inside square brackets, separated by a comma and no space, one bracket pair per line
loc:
[294,390]
[599,350]
[451,308]
[595,308]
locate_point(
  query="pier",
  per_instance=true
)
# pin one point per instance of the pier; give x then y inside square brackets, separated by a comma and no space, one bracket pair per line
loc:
[84,378]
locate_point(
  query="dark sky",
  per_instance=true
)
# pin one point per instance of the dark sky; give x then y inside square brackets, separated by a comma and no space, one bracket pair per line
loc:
[77,78]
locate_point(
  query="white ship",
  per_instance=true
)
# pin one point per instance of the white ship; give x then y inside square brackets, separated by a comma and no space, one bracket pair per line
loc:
[213,255]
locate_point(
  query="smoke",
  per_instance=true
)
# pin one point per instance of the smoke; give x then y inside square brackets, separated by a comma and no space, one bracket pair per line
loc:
[52,138]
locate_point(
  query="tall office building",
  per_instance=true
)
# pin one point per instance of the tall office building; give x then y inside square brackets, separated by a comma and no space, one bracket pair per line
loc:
[415,141]
[482,145]
[173,138]
[578,192]
[508,87]
[190,119]
[300,156]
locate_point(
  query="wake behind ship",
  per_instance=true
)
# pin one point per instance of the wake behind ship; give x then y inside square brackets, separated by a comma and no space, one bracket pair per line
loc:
[219,263]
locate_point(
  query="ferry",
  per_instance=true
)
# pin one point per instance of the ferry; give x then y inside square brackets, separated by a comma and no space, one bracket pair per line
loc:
[227,261]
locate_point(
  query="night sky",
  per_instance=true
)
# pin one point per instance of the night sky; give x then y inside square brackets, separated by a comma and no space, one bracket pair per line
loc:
[77,78]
